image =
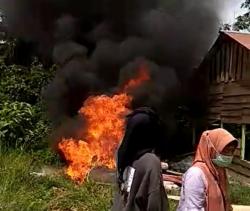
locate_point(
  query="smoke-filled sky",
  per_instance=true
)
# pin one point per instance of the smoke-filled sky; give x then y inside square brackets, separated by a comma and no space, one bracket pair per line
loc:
[98,44]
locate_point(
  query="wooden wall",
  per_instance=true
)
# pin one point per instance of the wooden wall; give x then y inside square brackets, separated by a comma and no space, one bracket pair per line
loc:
[229,62]
[229,79]
[229,103]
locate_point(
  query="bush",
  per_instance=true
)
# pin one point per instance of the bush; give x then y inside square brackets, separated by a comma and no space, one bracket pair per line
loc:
[23,84]
[23,122]
[16,124]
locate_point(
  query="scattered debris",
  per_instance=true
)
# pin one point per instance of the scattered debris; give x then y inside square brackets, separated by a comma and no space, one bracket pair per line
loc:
[47,171]
[183,165]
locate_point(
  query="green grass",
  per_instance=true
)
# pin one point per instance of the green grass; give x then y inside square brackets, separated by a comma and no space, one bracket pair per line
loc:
[240,194]
[19,190]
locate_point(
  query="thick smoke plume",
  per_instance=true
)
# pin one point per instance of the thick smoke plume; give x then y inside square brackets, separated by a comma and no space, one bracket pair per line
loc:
[98,44]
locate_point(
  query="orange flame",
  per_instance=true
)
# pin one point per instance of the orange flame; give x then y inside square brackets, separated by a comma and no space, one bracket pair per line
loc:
[104,130]
[142,76]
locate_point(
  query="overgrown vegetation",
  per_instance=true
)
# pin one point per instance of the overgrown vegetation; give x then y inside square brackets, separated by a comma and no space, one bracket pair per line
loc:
[23,122]
[22,190]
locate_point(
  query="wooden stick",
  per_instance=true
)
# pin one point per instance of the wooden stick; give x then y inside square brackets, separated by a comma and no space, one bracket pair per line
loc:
[243,141]
[174,172]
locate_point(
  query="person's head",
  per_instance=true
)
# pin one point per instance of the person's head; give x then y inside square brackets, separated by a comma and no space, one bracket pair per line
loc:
[218,146]
[230,148]
[142,135]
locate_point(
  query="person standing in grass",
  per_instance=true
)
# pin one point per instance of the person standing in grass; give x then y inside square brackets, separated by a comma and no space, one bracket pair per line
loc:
[205,184]
[138,166]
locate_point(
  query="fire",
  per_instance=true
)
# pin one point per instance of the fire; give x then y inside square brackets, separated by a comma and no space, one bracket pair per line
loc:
[104,130]
[142,76]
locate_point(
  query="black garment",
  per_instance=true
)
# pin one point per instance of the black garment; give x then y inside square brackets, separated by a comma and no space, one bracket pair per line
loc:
[143,134]
[147,192]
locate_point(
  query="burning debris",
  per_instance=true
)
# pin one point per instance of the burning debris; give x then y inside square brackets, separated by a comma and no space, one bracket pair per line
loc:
[104,128]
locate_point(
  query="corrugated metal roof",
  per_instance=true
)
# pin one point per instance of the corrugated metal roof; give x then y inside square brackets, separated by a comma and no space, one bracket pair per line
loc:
[242,38]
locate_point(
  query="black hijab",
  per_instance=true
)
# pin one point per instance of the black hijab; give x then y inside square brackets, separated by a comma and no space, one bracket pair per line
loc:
[143,134]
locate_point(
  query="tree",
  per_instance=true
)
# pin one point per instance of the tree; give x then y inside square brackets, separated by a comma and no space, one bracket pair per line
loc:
[243,21]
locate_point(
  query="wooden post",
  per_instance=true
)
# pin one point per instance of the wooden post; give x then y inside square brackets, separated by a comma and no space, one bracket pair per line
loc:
[221,124]
[243,141]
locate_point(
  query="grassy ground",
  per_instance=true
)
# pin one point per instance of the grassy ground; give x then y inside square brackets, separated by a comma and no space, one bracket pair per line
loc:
[20,190]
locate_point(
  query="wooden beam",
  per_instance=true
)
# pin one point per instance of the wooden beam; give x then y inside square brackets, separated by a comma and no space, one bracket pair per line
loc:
[222,65]
[240,61]
[243,141]
[229,74]
[227,62]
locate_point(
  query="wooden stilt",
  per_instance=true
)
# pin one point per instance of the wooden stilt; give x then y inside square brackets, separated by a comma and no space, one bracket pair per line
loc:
[243,141]
[221,124]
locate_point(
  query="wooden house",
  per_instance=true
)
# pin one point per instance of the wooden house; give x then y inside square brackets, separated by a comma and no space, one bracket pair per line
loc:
[227,66]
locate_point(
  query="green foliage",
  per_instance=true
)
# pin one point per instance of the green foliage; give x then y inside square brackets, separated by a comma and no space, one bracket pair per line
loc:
[23,120]
[16,124]
[46,156]
[243,21]
[7,49]
[240,194]
[23,84]
[246,4]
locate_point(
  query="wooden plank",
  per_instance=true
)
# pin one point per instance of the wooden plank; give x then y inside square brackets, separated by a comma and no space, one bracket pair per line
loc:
[234,89]
[247,77]
[243,141]
[236,54]
[239,67]
[212,117]
[240,170]
[245,111]
[244,83]
[244,67]
[228,120]
[222,65]
[231,107]
[228,62]
[242,163]
[233,59]
[234,100]
[230,114]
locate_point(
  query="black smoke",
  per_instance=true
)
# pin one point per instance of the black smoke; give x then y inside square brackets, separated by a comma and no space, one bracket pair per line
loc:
[98,44]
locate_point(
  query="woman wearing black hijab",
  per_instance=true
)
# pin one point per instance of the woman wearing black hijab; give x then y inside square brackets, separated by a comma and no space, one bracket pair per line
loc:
[138,167]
